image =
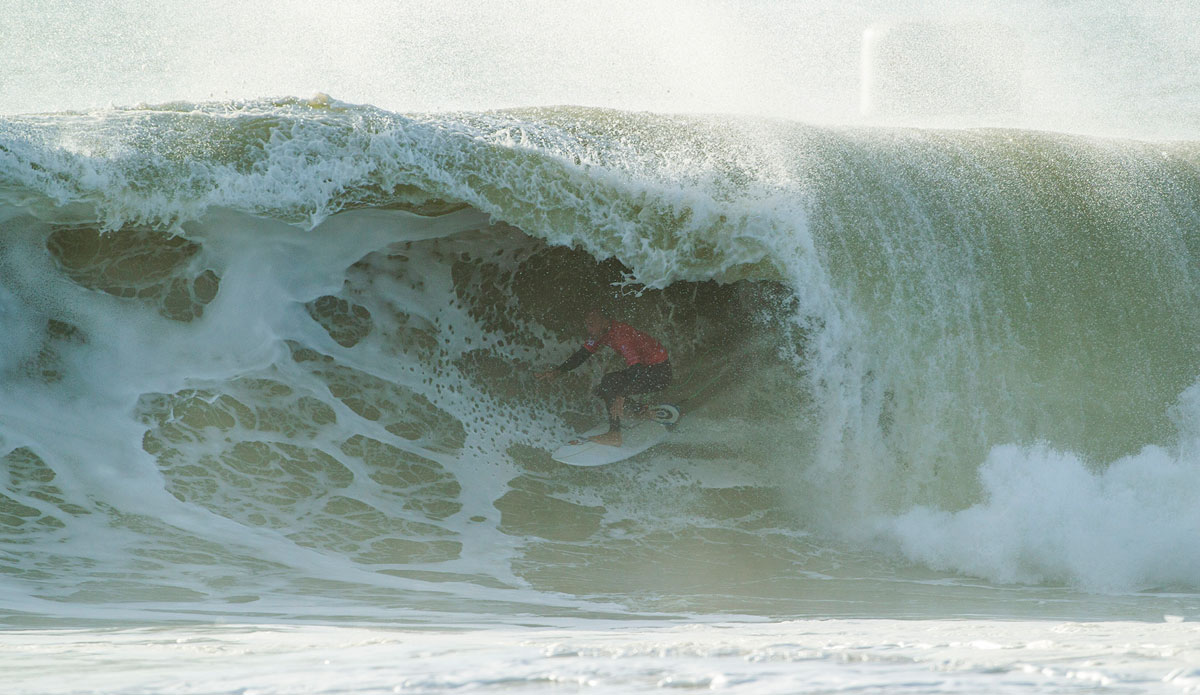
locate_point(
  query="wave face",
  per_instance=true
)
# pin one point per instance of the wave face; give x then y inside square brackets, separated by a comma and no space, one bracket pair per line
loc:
[275,358]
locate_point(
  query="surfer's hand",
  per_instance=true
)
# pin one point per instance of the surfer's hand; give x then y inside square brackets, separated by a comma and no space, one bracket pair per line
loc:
[548,375]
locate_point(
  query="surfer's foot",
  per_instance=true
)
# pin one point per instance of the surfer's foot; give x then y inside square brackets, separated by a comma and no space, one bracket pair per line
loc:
[610,438]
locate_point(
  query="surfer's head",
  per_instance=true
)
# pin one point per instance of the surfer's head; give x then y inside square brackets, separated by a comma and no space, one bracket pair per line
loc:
[596,322]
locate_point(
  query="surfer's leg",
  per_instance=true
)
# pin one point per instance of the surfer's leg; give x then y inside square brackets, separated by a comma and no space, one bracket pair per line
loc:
[616,410]
[612,437]
[612,390]
[648,379]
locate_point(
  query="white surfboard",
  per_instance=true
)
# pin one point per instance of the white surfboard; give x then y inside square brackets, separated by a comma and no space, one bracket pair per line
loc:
[635,438]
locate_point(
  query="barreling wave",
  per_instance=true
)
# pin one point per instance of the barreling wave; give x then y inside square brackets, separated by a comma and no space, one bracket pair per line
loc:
[294,341]
[569,176]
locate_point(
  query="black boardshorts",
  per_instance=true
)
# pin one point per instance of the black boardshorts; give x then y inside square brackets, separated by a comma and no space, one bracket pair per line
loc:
[636,378]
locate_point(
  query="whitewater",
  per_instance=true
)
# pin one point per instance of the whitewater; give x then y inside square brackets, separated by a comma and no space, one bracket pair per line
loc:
[275,283]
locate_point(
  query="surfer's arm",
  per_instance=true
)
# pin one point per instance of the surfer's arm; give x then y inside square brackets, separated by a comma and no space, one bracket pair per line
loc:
[572,362]
[578,358]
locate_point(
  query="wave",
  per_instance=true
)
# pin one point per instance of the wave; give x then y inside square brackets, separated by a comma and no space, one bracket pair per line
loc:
[294,340]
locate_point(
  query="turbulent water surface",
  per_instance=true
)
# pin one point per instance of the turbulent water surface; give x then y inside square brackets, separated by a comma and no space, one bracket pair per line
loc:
[269,423]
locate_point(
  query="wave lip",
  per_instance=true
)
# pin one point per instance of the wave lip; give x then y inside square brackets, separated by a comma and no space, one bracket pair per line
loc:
[560,174]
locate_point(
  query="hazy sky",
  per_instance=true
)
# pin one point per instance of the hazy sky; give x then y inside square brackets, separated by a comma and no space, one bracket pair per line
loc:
[1099,66]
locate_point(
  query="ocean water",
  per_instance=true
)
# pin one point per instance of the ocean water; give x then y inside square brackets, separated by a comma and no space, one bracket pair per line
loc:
[274,284]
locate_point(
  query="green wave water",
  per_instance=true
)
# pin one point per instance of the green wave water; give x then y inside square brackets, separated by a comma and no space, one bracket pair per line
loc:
[275,359]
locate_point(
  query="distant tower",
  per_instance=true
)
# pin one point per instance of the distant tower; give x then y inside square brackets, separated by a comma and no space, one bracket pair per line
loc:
[940,71]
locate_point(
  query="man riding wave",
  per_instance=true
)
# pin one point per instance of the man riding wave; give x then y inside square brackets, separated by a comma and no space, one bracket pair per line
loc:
[648,369]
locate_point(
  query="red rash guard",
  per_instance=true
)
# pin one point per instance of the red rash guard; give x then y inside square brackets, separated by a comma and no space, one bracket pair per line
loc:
[636,347]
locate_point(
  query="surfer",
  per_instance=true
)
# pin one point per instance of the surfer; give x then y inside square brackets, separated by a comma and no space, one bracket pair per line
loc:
[647,368]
